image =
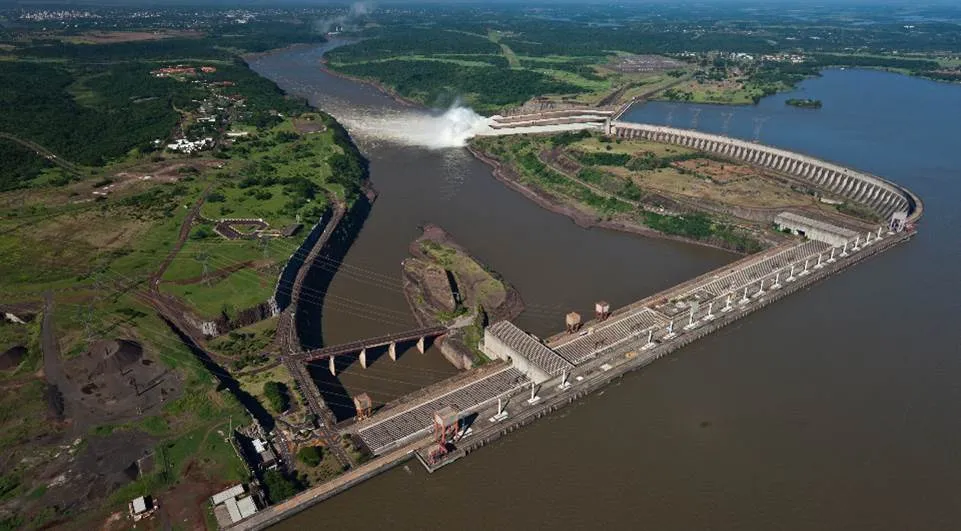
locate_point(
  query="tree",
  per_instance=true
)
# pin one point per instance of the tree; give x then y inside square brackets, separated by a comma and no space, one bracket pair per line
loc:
[278,395]
[279,487]
[310,455]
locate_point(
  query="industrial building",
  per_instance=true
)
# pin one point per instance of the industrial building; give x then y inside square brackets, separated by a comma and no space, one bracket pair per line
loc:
[814,229]
[232,505]
[506,341]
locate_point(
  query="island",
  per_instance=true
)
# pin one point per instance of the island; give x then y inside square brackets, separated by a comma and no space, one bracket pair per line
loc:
[804,103]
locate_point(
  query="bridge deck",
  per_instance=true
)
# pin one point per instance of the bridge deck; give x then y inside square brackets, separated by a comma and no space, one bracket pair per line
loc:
[373,342]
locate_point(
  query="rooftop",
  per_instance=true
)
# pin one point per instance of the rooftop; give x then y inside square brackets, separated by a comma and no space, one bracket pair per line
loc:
[790,217]
[533,350]
[228,494]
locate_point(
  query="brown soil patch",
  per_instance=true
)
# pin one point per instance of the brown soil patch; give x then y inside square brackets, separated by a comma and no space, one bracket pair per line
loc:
[167,171]
[182,506]
[718,171]
[309,126]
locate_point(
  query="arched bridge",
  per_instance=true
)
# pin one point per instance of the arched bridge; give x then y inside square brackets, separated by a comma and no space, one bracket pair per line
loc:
[420,335]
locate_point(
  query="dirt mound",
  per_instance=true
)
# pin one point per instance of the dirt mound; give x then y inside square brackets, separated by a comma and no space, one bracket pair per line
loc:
[116,355]
[116,380]
[12,357]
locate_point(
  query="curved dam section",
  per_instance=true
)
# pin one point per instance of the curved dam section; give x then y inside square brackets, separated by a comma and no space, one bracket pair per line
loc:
[880,195]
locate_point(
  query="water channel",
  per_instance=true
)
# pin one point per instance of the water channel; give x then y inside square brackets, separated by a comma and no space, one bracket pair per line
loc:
[835,408]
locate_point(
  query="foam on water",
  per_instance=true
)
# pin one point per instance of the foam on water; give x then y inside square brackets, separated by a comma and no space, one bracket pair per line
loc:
[431,130]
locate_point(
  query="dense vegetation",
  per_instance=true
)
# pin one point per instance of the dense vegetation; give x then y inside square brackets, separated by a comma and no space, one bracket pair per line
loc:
[18,165]
[440,84]
[310,455]
[279,486]
[90,104]
[278,395]
[436,55]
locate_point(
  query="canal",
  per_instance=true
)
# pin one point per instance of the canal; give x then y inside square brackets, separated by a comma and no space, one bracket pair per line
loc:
[836,408]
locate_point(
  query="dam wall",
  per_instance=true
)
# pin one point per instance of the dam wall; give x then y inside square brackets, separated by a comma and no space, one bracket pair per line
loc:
[881,196]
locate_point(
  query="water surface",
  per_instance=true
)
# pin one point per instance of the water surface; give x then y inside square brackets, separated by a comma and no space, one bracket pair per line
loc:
[836,408]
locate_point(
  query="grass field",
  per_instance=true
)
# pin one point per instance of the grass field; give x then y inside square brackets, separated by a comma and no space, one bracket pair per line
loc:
[620,180]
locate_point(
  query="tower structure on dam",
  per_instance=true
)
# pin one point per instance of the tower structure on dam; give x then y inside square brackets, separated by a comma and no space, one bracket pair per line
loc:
[881,196]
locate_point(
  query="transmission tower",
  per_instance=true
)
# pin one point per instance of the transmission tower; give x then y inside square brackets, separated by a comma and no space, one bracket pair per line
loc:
[85,316]
[265,245]
[204,260]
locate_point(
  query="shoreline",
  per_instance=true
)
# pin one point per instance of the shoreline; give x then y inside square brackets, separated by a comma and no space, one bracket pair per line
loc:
[579,217]
[390,93]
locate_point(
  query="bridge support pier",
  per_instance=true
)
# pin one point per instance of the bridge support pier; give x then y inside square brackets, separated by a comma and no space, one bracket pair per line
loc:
[363,358]
[392,351]
[333,369]
[421,345]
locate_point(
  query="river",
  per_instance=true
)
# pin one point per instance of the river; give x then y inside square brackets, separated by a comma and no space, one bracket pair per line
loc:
[835,408]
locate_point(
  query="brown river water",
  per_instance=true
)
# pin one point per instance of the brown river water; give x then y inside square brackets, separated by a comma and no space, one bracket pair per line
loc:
[836,408]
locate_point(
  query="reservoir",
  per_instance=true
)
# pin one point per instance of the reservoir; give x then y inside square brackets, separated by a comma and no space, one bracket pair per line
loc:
[835,408]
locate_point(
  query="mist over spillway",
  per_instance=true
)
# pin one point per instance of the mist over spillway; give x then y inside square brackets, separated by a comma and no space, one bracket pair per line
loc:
[429,129]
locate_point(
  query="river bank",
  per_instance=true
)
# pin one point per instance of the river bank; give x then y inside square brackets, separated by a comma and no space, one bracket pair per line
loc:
[505,174]
[387,91]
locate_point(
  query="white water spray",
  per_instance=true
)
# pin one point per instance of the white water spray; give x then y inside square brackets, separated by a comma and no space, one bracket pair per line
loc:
[451,129]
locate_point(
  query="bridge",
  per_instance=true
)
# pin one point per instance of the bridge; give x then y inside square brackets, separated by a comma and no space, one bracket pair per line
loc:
[420,335]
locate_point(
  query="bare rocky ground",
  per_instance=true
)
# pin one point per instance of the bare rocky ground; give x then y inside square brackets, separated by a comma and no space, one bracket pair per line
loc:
[114,381]
[63,462]
[457,290]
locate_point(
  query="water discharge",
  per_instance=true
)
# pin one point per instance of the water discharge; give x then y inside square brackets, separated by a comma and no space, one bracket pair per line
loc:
[428,129]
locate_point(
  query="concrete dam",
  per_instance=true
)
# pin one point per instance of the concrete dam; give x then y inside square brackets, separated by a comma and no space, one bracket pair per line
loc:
[883,197]
[530,377]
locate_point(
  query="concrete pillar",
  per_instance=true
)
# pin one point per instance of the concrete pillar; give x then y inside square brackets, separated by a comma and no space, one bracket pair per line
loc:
[392,351]
[420,345]
[363,358]
[333,369]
